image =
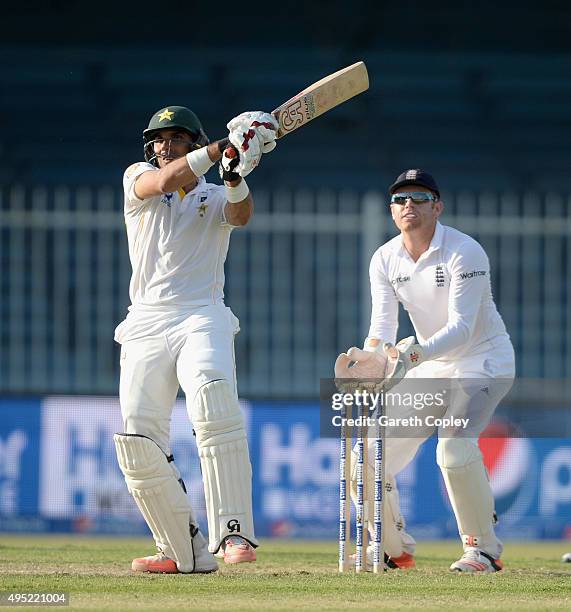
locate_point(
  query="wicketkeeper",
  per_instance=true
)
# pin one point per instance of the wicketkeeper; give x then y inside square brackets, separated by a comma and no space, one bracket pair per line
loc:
[442,278]
[179,332]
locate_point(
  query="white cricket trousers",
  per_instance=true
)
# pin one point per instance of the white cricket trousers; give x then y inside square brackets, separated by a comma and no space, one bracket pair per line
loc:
[478,384]
[196,350]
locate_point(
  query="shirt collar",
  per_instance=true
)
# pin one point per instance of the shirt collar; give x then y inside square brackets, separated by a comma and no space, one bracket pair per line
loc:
[437,239]
[199,184]
[435,243]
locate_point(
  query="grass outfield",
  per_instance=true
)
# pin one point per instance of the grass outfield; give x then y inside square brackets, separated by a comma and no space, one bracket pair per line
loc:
[289,575]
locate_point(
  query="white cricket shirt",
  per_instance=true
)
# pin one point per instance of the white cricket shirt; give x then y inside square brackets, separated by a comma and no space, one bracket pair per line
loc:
[177,246]
[447,294]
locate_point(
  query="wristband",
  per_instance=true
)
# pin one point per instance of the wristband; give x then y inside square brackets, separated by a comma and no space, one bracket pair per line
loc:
[199,161]
[238,193]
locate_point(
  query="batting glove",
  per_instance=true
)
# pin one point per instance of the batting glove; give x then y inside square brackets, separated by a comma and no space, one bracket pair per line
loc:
[253,125]
[228,164]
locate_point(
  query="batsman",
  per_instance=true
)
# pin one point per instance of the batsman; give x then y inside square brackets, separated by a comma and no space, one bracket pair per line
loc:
[178,332]
[442,278]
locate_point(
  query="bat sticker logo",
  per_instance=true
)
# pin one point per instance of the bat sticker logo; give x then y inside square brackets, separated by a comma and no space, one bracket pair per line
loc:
[292,116]
[309,107]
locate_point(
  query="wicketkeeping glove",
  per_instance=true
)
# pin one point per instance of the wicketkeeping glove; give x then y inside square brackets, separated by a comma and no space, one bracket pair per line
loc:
[407,354]
[368,370]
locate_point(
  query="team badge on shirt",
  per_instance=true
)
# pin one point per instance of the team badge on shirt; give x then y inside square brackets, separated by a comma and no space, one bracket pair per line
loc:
[203,207]
[167,199]
[439,278]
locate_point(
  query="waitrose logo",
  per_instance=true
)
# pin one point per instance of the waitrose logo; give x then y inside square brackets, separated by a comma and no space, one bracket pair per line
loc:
[472,274]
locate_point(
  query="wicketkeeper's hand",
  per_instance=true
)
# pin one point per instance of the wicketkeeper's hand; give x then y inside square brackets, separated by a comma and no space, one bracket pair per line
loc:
[407,354]
[360,369]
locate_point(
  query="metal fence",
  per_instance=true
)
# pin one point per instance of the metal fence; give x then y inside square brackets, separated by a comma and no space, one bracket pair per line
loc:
[297,277]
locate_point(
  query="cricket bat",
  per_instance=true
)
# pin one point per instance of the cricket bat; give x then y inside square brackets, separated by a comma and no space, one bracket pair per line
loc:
[325,94]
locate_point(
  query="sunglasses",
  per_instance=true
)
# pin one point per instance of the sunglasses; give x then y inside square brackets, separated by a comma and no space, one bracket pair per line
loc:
[418,197]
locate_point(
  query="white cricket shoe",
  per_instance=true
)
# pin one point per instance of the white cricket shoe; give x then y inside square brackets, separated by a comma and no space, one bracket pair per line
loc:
[204,561]
[238,550]
[476,561]
[155,564]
